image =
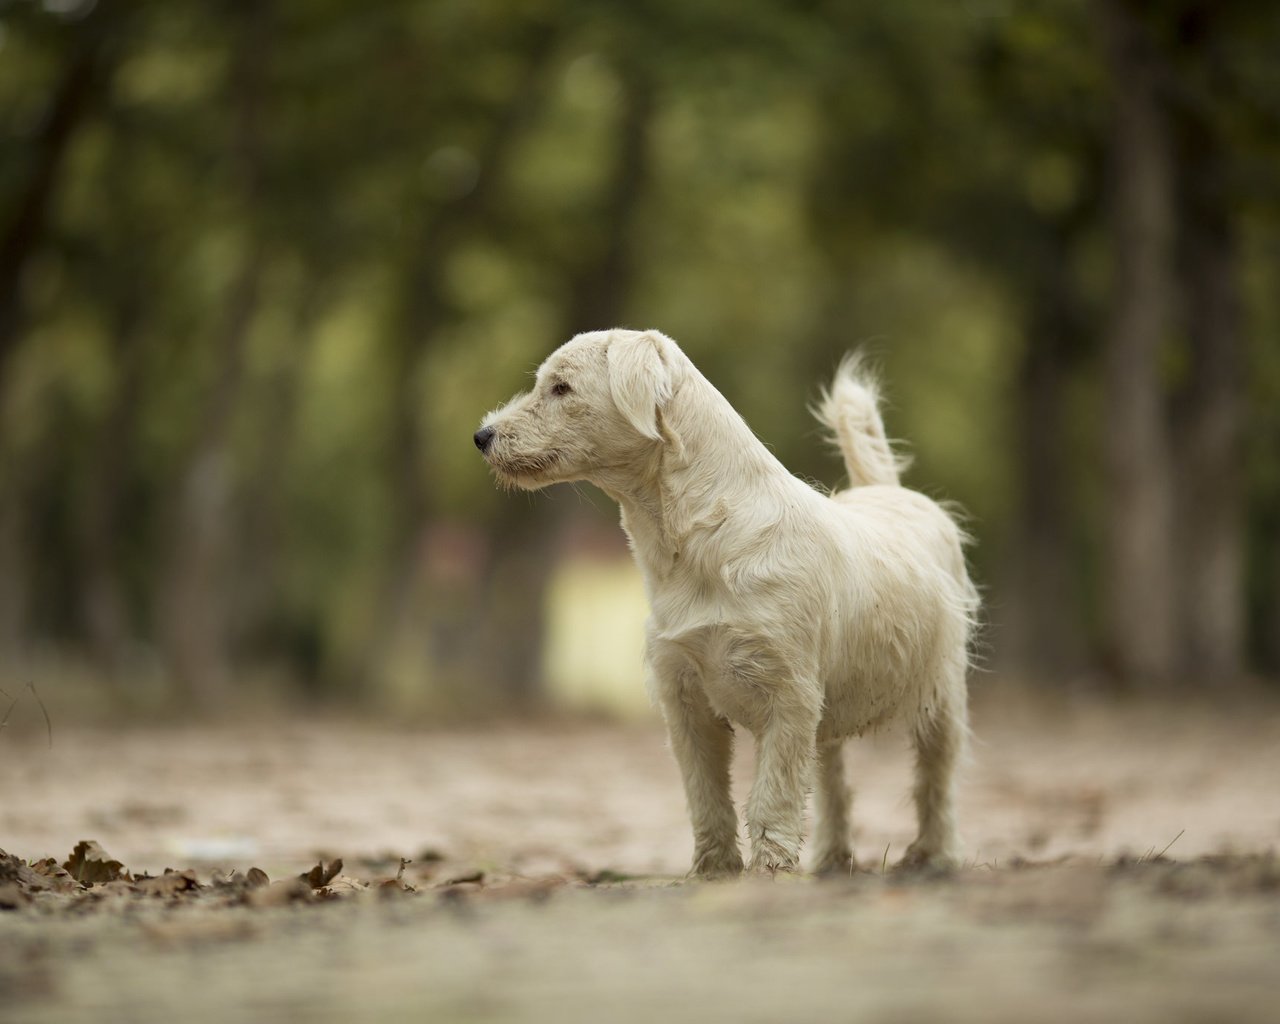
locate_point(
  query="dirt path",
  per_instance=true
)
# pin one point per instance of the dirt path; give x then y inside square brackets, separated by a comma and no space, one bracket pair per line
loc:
[544,812]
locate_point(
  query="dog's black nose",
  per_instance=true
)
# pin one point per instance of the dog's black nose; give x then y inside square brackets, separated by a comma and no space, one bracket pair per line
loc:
[484,438]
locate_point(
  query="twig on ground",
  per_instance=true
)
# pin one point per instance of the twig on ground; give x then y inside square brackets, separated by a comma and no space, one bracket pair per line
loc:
[1170,843]
[13,703]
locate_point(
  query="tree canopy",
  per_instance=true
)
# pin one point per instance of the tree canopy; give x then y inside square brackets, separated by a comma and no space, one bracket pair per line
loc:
[265,263]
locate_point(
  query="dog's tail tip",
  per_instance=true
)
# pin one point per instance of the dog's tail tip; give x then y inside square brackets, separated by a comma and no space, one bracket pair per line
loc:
[850,410]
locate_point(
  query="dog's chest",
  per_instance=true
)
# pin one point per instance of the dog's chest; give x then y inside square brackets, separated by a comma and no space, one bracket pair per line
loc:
[739,671]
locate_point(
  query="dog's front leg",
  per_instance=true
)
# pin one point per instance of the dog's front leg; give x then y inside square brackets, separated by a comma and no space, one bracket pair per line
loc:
[703,744]
[784,768]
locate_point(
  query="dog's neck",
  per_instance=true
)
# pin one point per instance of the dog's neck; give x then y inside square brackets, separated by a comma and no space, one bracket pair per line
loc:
[707,464]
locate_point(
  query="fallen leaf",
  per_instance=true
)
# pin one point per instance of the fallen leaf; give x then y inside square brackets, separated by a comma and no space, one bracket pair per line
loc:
[52,876]
[257,878]
[39,877]
[9,867]
[279,894]
[320,876]
[12,896]
[606,876]
[391,886]
[168,884]
[90,864]
[117,888]
[342,885]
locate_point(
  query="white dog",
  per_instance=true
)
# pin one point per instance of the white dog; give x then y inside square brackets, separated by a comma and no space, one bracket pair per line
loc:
[803,617]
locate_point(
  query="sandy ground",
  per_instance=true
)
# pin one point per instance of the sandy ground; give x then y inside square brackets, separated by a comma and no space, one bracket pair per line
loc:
[578,837]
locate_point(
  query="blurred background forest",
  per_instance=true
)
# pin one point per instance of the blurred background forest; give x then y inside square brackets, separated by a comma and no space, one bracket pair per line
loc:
[264,264]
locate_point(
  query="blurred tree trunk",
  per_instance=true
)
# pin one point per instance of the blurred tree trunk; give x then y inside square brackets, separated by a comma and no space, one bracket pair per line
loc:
[68,109]
[1210,408]
[526,540]
[105,614]
[105,607]
[260,576]
[1046,638]
[1140,577]
[195,628]
[1271,622]
[14,589]
[601,284]
[423,310]
[196,634]
[88,67]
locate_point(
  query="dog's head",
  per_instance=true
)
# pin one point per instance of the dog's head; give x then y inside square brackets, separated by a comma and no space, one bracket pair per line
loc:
[595,409]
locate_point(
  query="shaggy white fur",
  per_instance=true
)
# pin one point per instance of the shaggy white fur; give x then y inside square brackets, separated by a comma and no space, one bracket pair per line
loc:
[802,617]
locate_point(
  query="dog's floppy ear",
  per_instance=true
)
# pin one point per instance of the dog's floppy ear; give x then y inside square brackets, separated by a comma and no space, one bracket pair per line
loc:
[639,380]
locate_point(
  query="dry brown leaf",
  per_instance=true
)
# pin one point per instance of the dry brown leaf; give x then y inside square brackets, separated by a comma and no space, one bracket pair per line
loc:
[32,877]
[169,884]
[428,863]
[10,866]
[13,896]
[278,894]
[605,876]
[390,886]
[342,885]
[476,876]
[320,876]
[52,876]
[90,864]
[117,890]
[236,882]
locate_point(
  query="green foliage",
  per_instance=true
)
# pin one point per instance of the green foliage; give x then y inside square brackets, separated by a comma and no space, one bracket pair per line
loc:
[320,239]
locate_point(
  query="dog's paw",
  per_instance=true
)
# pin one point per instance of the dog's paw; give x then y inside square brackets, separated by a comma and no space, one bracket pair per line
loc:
[836,863]
[928,860]
[770,856]
[717,862]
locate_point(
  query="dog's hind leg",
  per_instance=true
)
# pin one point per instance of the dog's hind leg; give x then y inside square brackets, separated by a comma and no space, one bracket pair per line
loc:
[832,853]
[702,742]
[940,739]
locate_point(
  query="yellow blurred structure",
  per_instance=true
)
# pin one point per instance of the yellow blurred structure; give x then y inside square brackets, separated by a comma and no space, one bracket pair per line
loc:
[595,638]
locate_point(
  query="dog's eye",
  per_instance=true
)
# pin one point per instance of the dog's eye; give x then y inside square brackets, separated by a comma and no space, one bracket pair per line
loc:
[560,388]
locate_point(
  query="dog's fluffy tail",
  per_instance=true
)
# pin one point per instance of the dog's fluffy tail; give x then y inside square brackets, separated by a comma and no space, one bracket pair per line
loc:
[850,409]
